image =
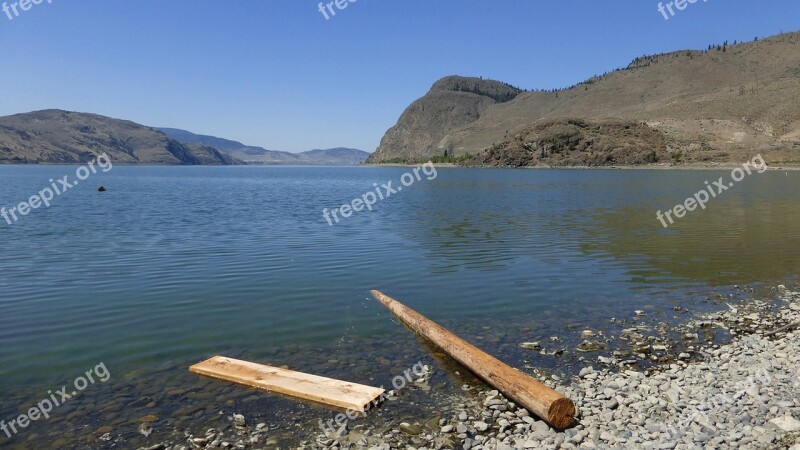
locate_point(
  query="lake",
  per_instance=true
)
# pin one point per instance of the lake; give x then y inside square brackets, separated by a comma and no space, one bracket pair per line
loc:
[173,265]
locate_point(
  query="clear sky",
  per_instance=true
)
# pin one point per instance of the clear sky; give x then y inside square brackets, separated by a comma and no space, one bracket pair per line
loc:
[277,74]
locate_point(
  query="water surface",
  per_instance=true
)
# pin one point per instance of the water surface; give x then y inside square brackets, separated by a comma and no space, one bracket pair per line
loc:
[175,264]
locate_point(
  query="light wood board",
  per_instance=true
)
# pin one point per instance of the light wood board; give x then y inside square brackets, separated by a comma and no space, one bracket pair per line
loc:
[295,384]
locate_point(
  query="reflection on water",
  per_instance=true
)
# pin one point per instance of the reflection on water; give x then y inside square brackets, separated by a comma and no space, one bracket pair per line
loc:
[737,240]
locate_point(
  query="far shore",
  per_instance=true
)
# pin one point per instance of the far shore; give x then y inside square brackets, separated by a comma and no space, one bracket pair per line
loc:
[720,166]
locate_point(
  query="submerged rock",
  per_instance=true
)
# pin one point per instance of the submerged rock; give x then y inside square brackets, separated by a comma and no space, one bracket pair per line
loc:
[591,346]
[531,346]
[145,429]
[410,429]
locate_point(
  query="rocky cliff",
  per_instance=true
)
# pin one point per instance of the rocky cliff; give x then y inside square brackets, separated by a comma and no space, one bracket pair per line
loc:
[452,103]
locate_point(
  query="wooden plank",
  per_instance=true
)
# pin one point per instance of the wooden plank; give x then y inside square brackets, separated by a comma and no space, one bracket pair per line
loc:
[323,390]
[553,407]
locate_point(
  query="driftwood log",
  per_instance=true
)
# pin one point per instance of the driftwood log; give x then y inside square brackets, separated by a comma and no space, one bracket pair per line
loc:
[549,405]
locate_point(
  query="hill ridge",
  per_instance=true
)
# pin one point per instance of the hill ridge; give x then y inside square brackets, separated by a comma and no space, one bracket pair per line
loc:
[259,155]
[714,105]
[58,136]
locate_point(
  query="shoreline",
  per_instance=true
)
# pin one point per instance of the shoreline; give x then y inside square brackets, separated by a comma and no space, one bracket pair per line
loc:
[742,392]
[665,167]
[634,380]
[698,167]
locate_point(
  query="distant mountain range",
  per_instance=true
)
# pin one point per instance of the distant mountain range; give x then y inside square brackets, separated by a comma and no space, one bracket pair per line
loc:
[55,136]
[259,155]
[722,104]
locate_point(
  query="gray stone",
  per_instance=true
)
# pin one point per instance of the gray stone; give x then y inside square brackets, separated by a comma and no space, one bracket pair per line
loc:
[540,427]
[410,429]
[239,421]
[786,423]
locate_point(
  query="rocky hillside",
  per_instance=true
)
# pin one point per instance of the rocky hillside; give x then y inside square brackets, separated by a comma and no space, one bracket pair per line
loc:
[576,142]
[54,136]
[187,137]
[209,156]
[241,151]
[453,102]
[258,155]
[715,105]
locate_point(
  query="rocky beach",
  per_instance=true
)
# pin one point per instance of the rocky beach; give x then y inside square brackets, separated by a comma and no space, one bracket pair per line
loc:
[739,395]
[689,393]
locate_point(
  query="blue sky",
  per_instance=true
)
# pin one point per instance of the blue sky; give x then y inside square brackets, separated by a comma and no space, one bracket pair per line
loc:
[277,74]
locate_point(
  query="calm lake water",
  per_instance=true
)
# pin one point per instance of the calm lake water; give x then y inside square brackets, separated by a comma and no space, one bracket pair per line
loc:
[176,264]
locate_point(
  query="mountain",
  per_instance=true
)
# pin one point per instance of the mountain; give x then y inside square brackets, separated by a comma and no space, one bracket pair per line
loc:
[452,102]
[327,157]
[340,156]
[723,104]
[187,137]
[236,149]
[211,156]
[55,136]
[259,155]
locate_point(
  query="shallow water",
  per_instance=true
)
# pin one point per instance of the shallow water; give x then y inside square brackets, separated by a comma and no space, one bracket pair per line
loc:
[176,264]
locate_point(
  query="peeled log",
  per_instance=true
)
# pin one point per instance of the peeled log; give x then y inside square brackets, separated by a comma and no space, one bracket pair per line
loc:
[554,408]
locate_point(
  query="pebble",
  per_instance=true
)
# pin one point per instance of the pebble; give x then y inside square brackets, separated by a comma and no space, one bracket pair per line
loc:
[145,429]
[536,346]
[786,423]
[408,428]
[239,421]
